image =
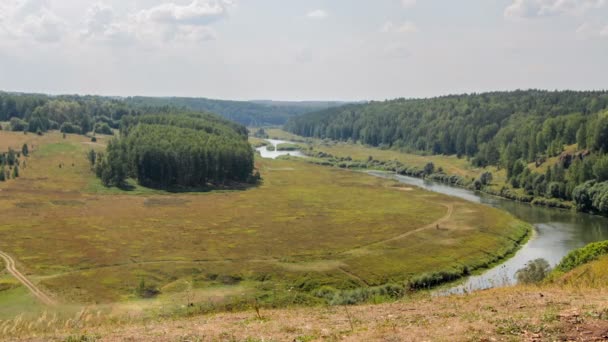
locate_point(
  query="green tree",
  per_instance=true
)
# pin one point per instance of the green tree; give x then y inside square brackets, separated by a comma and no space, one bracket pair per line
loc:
[25,150]
[92,157]
[534,272]
[600,169]
[429,168]
[15,171]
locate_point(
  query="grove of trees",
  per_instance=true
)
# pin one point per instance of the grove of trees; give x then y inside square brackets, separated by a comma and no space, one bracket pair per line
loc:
[176,151]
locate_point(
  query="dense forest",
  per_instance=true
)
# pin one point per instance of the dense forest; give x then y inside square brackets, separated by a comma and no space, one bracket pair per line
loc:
[248,113]
[176,151]
[83,114]
[504,129]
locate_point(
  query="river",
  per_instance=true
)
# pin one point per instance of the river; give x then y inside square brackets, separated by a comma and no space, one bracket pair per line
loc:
[265,153]
[556,231]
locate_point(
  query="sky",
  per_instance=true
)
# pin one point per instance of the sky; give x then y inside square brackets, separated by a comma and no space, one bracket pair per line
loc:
[301,49]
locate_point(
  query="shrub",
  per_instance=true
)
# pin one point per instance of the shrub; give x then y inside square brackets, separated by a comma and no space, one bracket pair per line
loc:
[18,125]
[146,291]
[534,272]
[582,256]
[69,127]
[103,128]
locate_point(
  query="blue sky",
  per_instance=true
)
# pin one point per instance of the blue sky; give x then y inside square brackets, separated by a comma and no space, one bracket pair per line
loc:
[299,50]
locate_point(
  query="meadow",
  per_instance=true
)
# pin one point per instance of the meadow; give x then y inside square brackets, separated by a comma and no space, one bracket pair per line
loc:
[451,165]
[303,229]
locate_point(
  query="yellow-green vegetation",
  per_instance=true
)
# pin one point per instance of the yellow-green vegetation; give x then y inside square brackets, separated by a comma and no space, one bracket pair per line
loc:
[305,228]
[279,134]
[593,274]
[15,298]
[573,309]
[451,165]
[289,147]
[257,142]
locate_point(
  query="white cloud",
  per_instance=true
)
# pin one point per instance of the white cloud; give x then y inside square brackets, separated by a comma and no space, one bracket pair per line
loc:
[199,12]
[168,22]
[405,28]
[31,19]
[44,26]
[541,8]
[408,3]
[587,30]
[317,14]
[98,18]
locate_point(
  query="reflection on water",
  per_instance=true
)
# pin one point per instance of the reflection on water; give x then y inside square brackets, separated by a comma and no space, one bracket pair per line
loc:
[557,232]
[275,154]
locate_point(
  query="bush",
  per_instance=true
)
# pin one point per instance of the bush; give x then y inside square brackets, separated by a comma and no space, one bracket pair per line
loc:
[146,291]
[18,125]
[534,272]
[103,128]
[582,256]
[69,127]
[591,197]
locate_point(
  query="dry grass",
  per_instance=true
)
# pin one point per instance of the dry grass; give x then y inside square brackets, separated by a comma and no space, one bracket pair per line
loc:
[510,314]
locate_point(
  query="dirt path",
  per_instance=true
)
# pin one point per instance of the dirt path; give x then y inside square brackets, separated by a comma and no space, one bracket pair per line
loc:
[435,224]
[10,267]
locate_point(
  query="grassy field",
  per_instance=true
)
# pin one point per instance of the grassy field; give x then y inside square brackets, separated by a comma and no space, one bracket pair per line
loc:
[304,227]
[450,164]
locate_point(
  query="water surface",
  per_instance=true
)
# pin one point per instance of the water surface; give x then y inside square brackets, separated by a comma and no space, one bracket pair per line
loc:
[275,154]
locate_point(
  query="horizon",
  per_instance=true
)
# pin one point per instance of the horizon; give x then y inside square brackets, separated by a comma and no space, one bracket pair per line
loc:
[342,101]
[347,50]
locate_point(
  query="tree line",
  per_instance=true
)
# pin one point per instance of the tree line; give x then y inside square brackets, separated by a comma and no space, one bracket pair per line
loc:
[248,113]
[509,130]
[83,114]
[176,151]
[70,114]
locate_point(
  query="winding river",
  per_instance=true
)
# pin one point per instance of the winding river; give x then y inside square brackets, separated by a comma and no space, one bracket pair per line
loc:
[557,232]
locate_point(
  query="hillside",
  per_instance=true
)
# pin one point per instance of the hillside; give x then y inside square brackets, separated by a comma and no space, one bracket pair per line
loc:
[248,113]
[505,130]
[563,310]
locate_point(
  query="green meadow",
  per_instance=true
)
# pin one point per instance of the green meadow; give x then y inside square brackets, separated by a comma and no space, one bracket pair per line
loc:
[303,230]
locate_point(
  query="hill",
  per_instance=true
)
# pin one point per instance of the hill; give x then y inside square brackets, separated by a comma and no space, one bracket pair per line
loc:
[505,130]
[248,113]
[571,308]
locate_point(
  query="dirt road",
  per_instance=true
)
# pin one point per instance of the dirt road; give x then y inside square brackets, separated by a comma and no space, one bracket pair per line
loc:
[10,267]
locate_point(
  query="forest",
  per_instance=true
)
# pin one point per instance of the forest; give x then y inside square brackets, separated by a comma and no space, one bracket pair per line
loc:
[176,151]
[248,113]
[509,130]
[83,114]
